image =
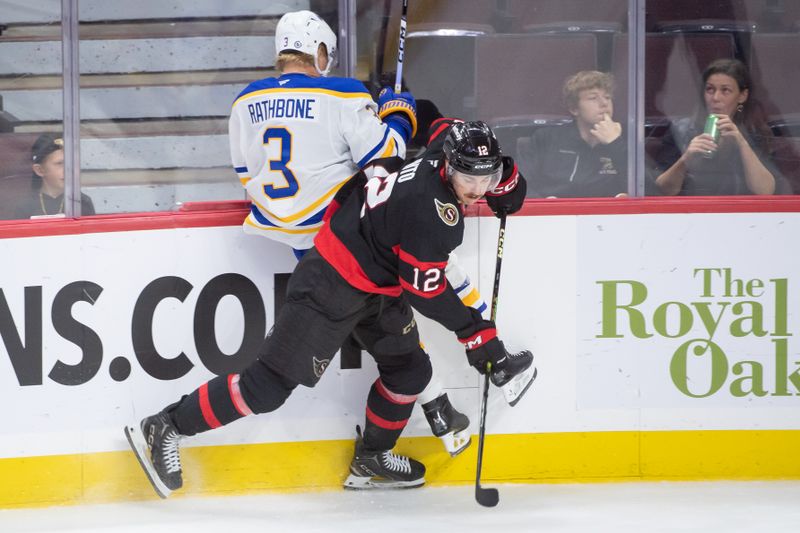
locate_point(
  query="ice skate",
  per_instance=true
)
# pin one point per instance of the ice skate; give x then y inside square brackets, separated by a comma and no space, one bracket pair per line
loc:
[514,374]
[448,424]
[383,469]
[156,444]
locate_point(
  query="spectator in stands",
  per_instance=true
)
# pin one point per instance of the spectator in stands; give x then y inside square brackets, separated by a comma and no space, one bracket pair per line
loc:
[690,163]
[47,182]
[585,158]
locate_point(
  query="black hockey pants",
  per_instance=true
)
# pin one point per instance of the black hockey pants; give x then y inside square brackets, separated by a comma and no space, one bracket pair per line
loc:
[321,310]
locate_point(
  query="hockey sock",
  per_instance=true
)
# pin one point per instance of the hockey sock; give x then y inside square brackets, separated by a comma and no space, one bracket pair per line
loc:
[227,398]
[210,406]
[387,414]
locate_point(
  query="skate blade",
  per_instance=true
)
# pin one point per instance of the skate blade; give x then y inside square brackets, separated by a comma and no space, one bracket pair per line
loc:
[139,447]
[515,389]
[354,482]
[455,443]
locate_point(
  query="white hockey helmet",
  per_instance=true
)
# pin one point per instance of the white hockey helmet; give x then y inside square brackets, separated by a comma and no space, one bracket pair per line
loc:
[303,31]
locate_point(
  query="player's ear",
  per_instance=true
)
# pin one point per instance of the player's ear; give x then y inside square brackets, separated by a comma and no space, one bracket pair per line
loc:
[322,56]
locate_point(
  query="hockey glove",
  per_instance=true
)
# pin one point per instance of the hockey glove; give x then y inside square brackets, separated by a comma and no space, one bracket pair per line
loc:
[399,111]
[482,345]
[509,195]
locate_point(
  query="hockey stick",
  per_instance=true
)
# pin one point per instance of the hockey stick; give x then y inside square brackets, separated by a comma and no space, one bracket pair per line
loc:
[398,80]
[489,497]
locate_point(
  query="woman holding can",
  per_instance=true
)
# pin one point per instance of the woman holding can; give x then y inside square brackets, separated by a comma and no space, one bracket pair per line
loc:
[725,149]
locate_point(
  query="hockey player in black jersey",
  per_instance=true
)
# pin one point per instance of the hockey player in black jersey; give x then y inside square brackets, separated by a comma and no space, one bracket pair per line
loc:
[397,225]
[383,249]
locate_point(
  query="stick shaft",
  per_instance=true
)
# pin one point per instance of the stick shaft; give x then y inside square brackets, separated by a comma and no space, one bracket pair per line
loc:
[398,81]
[498,264]
[485,397]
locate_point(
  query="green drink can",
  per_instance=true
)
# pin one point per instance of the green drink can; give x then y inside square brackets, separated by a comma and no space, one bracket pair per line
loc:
[711,129]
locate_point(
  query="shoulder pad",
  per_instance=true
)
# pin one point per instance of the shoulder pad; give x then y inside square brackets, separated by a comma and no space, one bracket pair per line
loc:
[343,85]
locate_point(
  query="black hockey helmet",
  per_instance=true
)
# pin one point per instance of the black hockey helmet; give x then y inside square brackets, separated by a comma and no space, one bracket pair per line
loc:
[471,148]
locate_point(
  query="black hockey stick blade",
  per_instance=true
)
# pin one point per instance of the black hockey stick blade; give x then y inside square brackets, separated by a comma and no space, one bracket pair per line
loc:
[487,496]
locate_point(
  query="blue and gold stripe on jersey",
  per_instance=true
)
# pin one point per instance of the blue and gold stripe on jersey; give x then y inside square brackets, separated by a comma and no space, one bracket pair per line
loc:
[244,175]
[310,225]
[289,83]
[470,296]
[286,220]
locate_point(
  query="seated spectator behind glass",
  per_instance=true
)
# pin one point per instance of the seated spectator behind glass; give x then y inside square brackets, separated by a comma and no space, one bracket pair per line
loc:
[47,182]
[583,159]
[689,162]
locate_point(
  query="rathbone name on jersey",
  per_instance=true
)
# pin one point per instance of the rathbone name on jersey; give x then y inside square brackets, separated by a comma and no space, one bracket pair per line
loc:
[282,108]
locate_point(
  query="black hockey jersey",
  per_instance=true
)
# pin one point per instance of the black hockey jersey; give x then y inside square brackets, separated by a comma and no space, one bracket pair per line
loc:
[390,231]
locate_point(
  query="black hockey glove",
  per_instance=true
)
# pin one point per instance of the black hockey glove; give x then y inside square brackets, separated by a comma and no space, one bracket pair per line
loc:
[482,345]
[509,195]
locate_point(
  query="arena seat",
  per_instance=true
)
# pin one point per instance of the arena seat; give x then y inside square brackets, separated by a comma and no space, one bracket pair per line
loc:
[533,69]
[156,90]
[597,14]
[603,32]
[47,11]
[511,132]
[787,159]
[674,64]
[776,79]
[445,13]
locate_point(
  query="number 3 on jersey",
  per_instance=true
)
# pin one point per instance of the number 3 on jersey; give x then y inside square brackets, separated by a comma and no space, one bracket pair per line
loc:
[283,139]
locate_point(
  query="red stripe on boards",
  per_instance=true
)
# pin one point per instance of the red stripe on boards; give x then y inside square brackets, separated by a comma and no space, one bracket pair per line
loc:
[221,214]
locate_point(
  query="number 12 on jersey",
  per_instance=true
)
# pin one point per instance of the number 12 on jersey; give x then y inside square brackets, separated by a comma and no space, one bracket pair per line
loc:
[430,281]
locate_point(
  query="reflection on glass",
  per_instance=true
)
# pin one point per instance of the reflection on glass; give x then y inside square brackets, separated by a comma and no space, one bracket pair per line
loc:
[30,104]
[156,92]
[733,60]
[45,198]
[726,148]
[506,63]
[587,157]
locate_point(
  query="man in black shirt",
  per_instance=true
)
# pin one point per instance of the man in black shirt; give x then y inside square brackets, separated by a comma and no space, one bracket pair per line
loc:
[384,247]
[583,159]
[46,196]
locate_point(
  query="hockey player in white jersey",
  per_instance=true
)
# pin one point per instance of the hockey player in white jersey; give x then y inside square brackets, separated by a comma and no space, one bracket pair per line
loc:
[297,138]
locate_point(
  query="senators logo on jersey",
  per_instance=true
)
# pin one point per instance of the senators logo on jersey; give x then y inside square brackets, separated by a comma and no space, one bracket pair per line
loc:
[447,212]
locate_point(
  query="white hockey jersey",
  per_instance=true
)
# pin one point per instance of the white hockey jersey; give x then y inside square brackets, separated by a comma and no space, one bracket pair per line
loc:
[295,140]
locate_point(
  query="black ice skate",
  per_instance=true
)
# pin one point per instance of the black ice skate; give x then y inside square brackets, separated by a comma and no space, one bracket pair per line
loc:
[514,374]
[155,443]
[383,470]
[448,424]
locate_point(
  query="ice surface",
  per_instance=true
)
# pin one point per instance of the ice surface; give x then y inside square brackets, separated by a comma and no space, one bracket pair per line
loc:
[561,508]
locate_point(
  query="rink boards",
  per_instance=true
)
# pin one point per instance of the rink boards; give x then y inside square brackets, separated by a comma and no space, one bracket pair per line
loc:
[666,342]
